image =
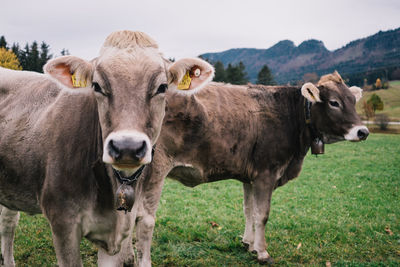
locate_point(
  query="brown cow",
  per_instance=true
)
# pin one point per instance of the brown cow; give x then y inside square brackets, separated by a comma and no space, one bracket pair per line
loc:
[256,134]
[55,139]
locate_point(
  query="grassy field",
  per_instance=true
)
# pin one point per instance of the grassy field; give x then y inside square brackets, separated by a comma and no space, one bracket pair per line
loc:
[343,209]
[390,98]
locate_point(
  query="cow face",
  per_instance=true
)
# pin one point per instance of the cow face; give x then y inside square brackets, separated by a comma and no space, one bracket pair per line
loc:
[333,112]
[129,80]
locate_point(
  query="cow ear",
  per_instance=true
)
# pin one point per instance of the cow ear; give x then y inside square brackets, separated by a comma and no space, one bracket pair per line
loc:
[71,71]
[356,91]
[190,75]
[311,92]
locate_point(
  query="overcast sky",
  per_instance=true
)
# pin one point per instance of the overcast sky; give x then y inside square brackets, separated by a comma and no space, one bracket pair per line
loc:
[192,27]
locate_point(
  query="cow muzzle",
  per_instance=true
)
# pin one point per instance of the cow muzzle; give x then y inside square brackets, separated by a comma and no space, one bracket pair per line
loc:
[357,133]
[127,150]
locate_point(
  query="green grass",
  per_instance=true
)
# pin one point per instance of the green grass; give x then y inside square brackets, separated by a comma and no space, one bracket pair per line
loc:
[390,98]
[337,209]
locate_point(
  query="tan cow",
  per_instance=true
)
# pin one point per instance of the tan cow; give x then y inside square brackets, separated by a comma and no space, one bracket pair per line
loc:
[64,149]
[256,134]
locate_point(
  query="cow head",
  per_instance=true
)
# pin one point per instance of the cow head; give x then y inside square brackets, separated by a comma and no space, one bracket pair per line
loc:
[129,80]
[333,112]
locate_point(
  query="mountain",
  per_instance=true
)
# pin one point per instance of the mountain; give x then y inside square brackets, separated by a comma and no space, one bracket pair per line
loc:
[289,62]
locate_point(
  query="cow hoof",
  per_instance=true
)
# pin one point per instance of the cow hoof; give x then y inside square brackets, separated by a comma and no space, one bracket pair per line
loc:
[129,263]
[246,245]
[264,261]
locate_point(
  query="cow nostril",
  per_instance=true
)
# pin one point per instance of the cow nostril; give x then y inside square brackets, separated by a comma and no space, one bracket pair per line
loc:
[127,150]
[141,151]
[362,134]
[113,150]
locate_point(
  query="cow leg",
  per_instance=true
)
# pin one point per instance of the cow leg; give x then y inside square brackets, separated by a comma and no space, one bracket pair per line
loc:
[153,181]
[145,222]
[124,258]
[66,238]
[248,236]
[262,191]
[8,223]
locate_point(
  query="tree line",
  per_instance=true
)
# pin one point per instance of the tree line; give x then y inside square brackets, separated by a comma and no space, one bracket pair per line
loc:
[31,57]
[236,74]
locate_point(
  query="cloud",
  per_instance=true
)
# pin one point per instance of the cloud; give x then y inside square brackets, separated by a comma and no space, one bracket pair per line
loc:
[189,28]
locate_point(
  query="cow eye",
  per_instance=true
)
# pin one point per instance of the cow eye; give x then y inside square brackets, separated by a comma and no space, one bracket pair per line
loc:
[334,103]
[96,87]
[162,88]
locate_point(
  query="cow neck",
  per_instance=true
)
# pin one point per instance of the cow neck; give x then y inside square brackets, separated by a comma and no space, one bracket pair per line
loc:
[113,190]
[125,192]
[105,185]
[130,180]
[315,142]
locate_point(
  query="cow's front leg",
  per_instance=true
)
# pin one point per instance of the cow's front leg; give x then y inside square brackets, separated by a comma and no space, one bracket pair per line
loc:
[8,223]
[152,183]
[124,258]
[248,236]
[144,233]
[66,238]
[262,191]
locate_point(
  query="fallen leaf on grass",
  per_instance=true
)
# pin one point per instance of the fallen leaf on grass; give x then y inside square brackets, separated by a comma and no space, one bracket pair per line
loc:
[387,230]
[328,264]
[214,224]
[299,246]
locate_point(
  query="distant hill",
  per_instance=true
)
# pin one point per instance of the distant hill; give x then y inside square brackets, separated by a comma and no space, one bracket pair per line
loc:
[289,62]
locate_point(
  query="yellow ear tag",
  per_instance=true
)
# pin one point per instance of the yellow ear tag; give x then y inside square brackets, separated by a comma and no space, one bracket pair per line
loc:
[185,83]
[77,82]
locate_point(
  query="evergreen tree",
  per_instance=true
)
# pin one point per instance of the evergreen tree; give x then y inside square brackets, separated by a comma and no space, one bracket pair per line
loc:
[220,74]
[376,102]
[15,49]
[243,73]
[34,59]
[3,42]
[23,57]
[230,73]
[236,74]
[265,76]
[65,52]
[44,55]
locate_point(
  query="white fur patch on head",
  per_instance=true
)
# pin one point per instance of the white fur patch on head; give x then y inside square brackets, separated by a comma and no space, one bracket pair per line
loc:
[128,39]
[333,77]
[353,133]
[311,92]
[356,91]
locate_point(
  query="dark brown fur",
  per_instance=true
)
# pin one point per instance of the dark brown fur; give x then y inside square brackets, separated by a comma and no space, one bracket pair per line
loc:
[255,134]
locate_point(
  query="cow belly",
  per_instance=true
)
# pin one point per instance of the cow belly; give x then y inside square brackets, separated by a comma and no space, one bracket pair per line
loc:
[17,187]
[17,200]
[16,197]
[187,175]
